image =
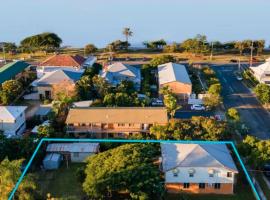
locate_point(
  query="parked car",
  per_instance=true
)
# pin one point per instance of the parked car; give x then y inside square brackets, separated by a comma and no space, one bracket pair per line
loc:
[239,78]
[233,61]
[266,169]
[197,107]
[157,102]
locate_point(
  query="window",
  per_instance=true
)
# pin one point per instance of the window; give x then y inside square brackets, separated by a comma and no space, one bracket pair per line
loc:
[201,185]
[186,185]
[121,124]
[175,172]
[211,175]
[217,186]
[191,174]
[75,154]
[229,174]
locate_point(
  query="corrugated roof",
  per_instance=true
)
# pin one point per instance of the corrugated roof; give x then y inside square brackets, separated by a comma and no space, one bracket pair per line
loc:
[171,72]
[10,70]
[196,155]
[11,112]
[149,115]
[64,61]
[261,69]
[58,76]
[85,147]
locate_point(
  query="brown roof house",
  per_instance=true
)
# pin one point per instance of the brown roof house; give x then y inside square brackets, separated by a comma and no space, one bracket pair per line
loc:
[198,168]
[175,76]
[63,61]
[104,122]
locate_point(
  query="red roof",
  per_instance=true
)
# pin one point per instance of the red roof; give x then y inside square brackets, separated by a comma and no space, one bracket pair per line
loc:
[64,61]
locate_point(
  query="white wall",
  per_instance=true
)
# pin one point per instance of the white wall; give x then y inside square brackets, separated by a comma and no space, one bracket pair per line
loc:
[201,175]
[11,126]
[81,158]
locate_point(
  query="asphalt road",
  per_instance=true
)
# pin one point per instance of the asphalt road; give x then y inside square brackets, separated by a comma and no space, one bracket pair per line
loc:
[187,114]
[236,94]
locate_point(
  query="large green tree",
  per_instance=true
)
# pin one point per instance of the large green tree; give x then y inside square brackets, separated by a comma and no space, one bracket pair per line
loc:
[196,45]
[90,49]
[44,41]
[11,89]
[161,60]
[263,92]
[128,168]
[10,172]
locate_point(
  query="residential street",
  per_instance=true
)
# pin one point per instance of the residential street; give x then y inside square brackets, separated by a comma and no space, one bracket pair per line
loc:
[236,94]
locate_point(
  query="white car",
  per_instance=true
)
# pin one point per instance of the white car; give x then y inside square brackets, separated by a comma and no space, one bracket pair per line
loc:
[197,107]
[157,102]
[239,78]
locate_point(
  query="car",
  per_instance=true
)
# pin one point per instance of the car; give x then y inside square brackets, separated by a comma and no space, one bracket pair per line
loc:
[266,169]
[157,102]
[197,107]
[239,78]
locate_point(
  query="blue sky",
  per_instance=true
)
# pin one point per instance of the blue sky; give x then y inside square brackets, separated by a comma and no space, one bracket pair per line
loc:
[79,22]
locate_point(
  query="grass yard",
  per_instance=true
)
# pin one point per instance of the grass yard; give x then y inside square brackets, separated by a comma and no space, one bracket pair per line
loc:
[61,183]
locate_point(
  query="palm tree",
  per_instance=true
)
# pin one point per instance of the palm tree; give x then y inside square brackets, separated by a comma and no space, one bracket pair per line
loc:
[127,33]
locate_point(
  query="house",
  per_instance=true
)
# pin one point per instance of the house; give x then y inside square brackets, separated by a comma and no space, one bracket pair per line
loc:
[74,152]
[12,70]
[44,85]
[104,122]
[12,120]
[198,168]
[118,72]
[262,72]
[66,62]
[175,76]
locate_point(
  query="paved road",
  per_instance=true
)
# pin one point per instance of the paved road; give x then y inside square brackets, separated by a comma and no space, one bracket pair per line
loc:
[187,114]
[236,94]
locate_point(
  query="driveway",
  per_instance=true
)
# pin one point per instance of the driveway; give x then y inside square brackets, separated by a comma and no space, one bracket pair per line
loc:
[236,94]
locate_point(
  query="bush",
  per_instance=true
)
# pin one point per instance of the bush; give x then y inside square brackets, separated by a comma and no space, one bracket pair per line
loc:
[262,91]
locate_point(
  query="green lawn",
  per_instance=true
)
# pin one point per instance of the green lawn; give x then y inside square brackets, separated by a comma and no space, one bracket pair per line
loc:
[61,183]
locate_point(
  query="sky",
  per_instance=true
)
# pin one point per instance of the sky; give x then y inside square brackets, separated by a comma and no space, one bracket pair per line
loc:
[79,22]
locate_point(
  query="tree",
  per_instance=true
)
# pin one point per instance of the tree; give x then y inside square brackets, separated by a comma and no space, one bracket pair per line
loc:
[262,91]
[10,171]
[170,103]
[9,46]
[161,60]
[11,89]
[84,88]
[171,48]
[127,33]
[44,41]
[233,114]
[259,45]
[157,44]
[127,168]
[214,89]
[117,45]
[45,131]
[196,45]
[240,46]
[64,90]
[101,86]
[90,49]
[212,100]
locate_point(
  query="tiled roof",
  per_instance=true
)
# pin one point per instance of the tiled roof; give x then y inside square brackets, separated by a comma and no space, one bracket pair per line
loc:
[10,70]
[142,115]
[64,61]
[196,155]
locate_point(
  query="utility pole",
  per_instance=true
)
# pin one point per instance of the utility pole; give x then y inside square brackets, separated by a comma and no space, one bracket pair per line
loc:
[251,53]
[211,56]
[4,52]
[239,65]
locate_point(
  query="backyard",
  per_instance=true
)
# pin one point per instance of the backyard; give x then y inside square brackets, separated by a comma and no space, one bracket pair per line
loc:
[62,183]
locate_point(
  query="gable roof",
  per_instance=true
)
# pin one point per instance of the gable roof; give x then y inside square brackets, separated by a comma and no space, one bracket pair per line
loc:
[10,70]
[58,76]
[196,155]
[261,69]
[120,69]
[63,60]
[11,112]
[142,115]
[80,147]
[171,72]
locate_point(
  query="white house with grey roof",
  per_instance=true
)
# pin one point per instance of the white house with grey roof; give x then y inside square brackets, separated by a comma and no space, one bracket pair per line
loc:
[262,72]
[118,72]
[176,77]
[198,168]
[43,86]
[12,120]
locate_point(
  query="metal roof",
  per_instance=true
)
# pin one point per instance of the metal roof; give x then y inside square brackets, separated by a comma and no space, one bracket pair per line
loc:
[196,155]
[11,112]
[86,147]
[10,70]
[171,72]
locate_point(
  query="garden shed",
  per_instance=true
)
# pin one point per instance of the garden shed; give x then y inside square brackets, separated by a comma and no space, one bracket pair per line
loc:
[52,161]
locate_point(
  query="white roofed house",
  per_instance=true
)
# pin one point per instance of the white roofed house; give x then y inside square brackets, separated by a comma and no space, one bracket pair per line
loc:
[198,168]
[118,72]
[262,72]
[74,152]
[175,76]
[12,120]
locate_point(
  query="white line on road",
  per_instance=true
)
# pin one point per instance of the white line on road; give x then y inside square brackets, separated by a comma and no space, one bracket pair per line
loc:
[231,89]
